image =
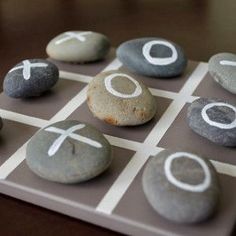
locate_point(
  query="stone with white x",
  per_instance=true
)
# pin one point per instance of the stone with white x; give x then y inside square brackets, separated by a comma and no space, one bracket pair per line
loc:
[27,67]
[30,78]
[78,46]
[68,152]
[69,133]
[72,35]
[222,68]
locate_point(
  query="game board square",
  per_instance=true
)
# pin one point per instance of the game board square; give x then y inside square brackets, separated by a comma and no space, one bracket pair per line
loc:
[12,136]
[135,208]
[89,193]
[169,84]
[47,105]
[136,133]
[210,89]
[179,135]
[88,69]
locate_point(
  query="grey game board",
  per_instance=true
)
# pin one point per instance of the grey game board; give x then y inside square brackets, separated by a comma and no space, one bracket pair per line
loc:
[115,199]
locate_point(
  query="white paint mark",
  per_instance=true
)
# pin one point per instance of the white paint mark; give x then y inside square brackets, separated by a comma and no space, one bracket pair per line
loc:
[110,89]
[214,123]
[228,63]
[72,35]
[157,60]
[27,68]
[188,187]
[69,133]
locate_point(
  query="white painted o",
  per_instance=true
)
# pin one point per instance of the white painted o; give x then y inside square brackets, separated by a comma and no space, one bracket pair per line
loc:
[156,60]
[214,123]
[188,187]
[110,89]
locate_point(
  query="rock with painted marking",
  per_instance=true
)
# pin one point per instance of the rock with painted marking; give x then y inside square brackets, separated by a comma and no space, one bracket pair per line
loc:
[78,46]
[222,68]
[155,57]
[119,99]
[30,78]
[182,187]
[213,119]
[68,152]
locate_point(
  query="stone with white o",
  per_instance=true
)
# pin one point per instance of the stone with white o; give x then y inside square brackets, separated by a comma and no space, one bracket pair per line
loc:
[30,78]
[222,68]
[213,119]
[68,152]
[78,47]
[181,186]
[119,99]
[155,57]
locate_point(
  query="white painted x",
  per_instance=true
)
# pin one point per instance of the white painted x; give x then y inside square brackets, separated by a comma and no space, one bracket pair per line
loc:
[69,133]
[71,35]
[27,68]
[228,63]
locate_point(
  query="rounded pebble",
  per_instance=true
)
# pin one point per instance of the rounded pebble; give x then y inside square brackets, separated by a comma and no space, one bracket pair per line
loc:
[155,57]
[213,119]
[30,78]
[119,99]
[68,152]
[222,68]
[181,186]
[78,46]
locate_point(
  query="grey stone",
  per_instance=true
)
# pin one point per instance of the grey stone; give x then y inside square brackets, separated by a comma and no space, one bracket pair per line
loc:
[124,103]
[191,196]
[213,119]
[131,54]
[222,68]
[78,46]
[68,159]
[30,78]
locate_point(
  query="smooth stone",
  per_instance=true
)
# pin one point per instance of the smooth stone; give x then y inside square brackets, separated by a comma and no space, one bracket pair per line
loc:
[67,159]
[222,68]
[181,187]
[120,100]
[80,47]
[37,77]
[155,57]
[213,119]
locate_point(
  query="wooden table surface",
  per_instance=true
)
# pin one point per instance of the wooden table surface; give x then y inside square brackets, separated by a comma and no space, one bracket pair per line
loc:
[203,28]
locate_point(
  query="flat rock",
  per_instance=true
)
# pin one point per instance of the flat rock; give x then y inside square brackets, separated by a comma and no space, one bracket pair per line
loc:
[30,78]
[182,187]
[155,57]
[213,119]
[119,99]
[68,152]
[78,46]
[222,68]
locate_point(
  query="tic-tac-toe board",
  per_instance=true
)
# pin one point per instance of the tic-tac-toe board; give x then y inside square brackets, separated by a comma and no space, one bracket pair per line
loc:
[115,199]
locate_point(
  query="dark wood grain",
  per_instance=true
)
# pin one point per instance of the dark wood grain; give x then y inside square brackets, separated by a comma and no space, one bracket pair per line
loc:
[201,27]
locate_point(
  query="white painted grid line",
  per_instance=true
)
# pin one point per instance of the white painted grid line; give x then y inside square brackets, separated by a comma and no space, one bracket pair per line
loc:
[224,168]
[71,106]
[24,119]
[114,65]
[122,183]
[177,105]
[75,77]
[11,163]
